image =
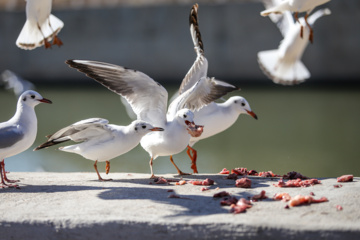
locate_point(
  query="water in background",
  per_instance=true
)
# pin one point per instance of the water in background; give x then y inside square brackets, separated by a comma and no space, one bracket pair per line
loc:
[311,130]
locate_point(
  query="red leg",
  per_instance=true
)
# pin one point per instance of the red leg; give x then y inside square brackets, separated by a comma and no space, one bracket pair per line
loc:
[193,158]
[3,179]
[151,168]
[4,173]
[100,178]
[107,168]
[57,41]
[46,43]
[178,170]
[311,36]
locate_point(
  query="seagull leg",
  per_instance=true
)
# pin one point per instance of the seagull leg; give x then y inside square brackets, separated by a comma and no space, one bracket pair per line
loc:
[311,36]
[100,178]
[56,40]
[107,168]
[151,169]
[5,177]
[297,20]
[178,170]
[193,158]
[3,184]
[46,43]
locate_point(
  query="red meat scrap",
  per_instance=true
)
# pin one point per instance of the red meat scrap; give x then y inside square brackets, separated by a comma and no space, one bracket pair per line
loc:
[240,206]
[221,194]
[282,196]
[268,174]
[259,196]
[228,201]
[294,175]
[301,200]
[243,183]
[346,178]
[240,171]
[206,182]
[224,171]
[297,183]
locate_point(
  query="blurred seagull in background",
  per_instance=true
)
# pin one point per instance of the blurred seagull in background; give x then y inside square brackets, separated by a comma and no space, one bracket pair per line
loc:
[12,81]
[99,140]
[148,100]
[296,6]
[283,65]
[214,113]
[19,133]
[40,26]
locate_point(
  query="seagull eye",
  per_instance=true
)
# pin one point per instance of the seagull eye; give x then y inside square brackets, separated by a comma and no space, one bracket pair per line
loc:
[143,127]
[235,101]
[32,96]
[135,128]
[184,116]
[243,104]
[24,99]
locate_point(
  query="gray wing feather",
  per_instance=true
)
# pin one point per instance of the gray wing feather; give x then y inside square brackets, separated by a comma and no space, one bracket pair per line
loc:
[147,97]
[9,136]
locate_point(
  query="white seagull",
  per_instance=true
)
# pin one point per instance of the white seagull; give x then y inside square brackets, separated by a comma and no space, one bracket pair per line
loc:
[19,133]
[211,115]
[149,99]
[99,140]
[296,6]
[40,26]
[283,65]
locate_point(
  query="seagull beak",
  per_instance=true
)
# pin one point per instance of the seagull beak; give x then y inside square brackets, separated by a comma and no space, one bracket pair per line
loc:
[251,113]
[44,100]
[156,129]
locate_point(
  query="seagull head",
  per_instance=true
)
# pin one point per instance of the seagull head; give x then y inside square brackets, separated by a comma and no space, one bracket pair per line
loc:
[32,98]
[187,116]
[241,106]
[142,127]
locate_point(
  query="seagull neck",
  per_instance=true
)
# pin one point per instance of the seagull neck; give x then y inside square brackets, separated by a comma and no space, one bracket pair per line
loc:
[24,112]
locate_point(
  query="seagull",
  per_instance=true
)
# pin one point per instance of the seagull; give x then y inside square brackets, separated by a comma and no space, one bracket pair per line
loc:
[296,6]
[99,140]
[40,26]
[212,114]
[148,100]
[283,65]
[12,81]
[19,133]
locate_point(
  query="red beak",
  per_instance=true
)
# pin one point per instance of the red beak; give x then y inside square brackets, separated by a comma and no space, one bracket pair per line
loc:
[44,100]
[157,129]
[251,113]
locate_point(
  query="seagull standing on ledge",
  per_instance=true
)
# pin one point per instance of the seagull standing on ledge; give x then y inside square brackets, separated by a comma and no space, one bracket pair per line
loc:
[212,114]
[19,133]
[99,140]
[149,100]
[296,6]
[40,26]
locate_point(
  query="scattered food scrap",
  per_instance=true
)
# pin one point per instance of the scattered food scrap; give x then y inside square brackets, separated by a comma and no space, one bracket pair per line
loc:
[339,208]
[240,171]
[224,171]
[228,201]
[181,182]
[206,182]
[282,196]
[160,180]
[301,200]
[240,206]
[345,178]
[259,196]
[268,174]
[243,183]
[297,183]
[294,175]
[337,186]
[233,176]
[221,194]
[205,189]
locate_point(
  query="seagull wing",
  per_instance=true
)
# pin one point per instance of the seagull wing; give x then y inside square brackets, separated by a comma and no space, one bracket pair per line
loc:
[204,91]
[200,66]
[147,97]
[319,13]
[79,132]
[9,136]
[283,21]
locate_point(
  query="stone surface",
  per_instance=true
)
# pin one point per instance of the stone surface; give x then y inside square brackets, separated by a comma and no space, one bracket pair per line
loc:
[77,206]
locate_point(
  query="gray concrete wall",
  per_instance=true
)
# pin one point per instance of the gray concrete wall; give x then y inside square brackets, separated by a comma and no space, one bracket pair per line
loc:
[156,40]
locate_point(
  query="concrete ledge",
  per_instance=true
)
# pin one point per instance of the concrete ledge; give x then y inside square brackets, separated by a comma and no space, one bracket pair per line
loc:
[77,206]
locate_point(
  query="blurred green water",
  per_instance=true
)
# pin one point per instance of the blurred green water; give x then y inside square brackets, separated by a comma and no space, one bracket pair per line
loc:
[311,130]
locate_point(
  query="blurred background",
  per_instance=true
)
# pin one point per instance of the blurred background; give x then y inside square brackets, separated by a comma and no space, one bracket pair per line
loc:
[312,128]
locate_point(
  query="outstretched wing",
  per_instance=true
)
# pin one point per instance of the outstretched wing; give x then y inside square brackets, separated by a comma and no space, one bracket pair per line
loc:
[147,97]
[204,91]
[200,66]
